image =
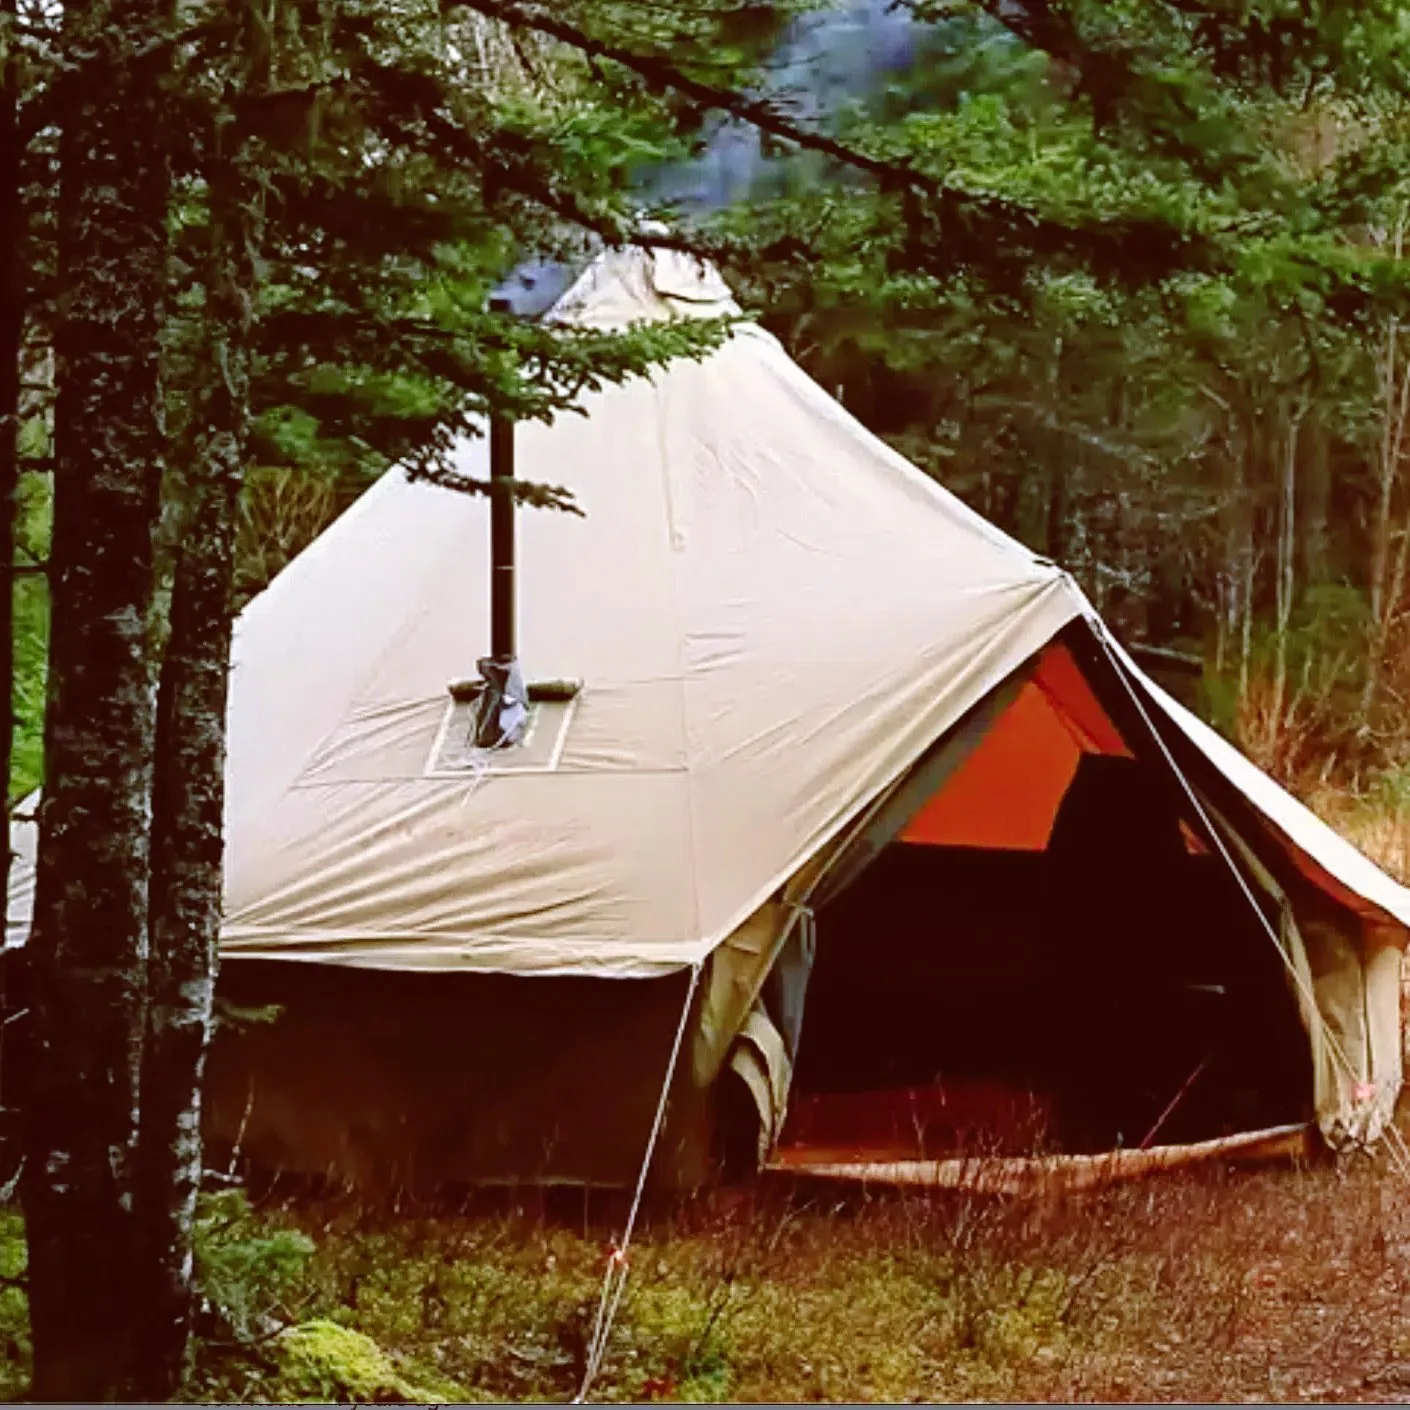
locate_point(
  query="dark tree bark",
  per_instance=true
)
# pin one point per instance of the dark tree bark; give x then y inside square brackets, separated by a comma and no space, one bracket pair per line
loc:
[87,954]
[189,787]
[12,313]
[187,859]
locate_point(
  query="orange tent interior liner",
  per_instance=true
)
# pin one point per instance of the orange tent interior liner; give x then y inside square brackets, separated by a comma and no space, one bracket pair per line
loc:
[1005,796]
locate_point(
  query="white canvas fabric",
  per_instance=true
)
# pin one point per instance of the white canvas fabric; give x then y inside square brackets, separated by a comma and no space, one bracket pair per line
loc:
[772,614]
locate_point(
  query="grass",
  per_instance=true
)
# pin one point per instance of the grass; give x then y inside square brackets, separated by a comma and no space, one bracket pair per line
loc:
[1284,1284]
[1378,825]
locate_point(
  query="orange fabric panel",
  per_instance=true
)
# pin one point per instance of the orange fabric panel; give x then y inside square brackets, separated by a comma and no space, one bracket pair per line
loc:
[1006,794]
[1060,678]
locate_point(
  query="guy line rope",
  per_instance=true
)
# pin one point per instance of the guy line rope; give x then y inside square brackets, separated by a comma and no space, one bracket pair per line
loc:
[615,1279]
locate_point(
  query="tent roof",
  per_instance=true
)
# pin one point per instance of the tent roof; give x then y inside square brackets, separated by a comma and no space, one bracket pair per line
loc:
[772,614]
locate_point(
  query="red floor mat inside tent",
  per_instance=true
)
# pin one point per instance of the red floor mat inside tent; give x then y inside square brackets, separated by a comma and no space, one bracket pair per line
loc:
[972,1116]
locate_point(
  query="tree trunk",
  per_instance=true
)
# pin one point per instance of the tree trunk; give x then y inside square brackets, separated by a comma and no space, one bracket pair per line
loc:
[1285,586]
[1394,374]
[1242,556]
[187,858]
[87,954]
[189,789]
[1055,535]
[1315,494]
[1055,528]
[12,312]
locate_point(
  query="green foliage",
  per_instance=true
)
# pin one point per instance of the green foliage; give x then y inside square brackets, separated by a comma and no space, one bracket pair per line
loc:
[31,635]
[249,1276]
[1130,418]
[714,1310]
[1150,1291]
[495,1310]
[1084,262]
[14,1311]
[31,660]
[398,195]
[1389,794]
[1321,655]
[234,1016]
[246,1271]
[249,1273]
[1104,268]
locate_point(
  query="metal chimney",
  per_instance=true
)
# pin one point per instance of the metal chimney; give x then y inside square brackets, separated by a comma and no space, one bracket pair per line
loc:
[503,706]
[502,613]
[500,696]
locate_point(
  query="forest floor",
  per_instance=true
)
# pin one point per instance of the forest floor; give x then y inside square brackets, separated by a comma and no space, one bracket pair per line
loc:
[1277,1284]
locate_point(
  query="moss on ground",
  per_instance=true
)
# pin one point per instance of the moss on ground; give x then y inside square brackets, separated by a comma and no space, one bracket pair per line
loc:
[321,1361]
[14,1313]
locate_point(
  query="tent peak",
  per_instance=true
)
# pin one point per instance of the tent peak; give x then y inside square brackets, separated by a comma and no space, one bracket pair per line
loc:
[634,284]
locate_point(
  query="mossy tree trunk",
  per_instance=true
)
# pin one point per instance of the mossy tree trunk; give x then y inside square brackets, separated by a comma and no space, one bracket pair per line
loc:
[12,320]
[187,855]
[189,784]
[12,314]
[88,950]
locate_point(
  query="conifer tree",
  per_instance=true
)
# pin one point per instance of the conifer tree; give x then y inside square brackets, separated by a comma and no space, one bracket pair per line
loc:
[88,950]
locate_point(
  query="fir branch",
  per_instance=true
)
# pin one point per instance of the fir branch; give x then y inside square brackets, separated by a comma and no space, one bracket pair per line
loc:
[430,472]
[508,161]
[972,226]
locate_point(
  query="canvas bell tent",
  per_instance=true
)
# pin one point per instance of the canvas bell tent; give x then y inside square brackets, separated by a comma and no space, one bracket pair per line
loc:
[854,830]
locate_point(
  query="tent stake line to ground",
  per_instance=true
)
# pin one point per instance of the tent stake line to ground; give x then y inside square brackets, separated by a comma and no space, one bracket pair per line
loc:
[839,742]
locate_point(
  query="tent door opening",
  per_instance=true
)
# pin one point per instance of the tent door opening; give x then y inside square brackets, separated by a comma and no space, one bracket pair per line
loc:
[1043,959]
[956,1005]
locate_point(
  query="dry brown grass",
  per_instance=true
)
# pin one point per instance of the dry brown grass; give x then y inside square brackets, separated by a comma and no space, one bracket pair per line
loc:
[1300,736]
[1289,1284]
[281,512]
[1378,827]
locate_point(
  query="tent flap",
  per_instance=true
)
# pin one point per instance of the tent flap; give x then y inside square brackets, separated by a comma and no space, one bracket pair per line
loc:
[760,1060]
